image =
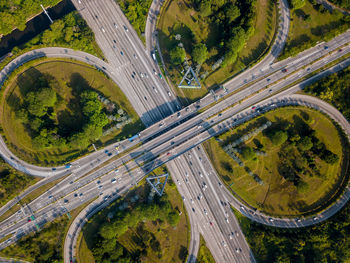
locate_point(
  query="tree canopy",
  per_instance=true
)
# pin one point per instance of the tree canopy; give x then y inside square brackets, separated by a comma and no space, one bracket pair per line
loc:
[177,55]
[200,53]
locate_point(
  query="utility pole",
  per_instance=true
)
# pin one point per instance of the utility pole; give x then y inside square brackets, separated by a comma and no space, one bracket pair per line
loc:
[46,13]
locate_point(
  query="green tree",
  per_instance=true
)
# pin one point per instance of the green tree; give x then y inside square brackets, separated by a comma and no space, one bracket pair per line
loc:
[205,8]
[305,143]
[177,55]
[173,218]
[232,13]
[297,4]
[279,137]
[200,53]
[248,153]
[302,187]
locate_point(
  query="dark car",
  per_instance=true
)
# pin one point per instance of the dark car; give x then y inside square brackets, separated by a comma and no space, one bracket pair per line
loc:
[284,70]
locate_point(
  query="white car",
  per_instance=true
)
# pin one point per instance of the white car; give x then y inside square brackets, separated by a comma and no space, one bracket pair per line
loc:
[113,181]
[103,30]
[169,93]
[115,25]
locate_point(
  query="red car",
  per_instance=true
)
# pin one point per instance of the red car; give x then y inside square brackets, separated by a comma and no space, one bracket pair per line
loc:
[254,107]
[211,223]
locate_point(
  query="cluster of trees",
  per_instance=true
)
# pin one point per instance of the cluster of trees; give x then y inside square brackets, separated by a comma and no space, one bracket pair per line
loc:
[235,20]
[335,89]
[38,113]
[342,3]
[299,148]
[107,248]
[325,242]
[248,153]
[14,14]
[136,12]
[70,31]
[297,4]
[11,182]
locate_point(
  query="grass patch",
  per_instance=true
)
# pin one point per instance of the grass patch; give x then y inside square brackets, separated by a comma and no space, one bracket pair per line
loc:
[172,240]
[278,195]
[178,17]
[71,76]
[204,254]
[304,32]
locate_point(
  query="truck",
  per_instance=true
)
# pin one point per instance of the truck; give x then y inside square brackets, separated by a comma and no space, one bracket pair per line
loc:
[154,56]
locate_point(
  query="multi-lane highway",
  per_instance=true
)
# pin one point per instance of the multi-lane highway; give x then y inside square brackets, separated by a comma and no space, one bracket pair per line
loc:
[166,140]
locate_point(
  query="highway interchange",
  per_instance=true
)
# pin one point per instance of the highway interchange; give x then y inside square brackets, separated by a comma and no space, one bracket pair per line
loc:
[183,159]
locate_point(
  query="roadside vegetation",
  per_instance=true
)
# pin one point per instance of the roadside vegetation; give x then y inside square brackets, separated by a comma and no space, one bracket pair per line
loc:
[325,242]
[312,22]
[204,254]
[138,229]
[71,31]
[287,162]
[136,12]
[12,182]
[14,14]
[341,3]
[335,89]
[212,36]
[45,246]
[59,107]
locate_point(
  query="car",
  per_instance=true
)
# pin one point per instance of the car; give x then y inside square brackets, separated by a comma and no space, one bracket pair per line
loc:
[113,181]
[193,210]
[223,243]
[270,90]
[191,201]
[237,250]
[205,211]
[98,182]
[125,28]
[169,94]
[115,25]
[200,159]
[116,170]
[178,181]
[145,98]
[115,42]
[75,195]
[109,154]
[268,80]
[50,196]
[183,198]
[298,220]
[271,219]
[100,186]
[230,236]
[68,165]
[236,233]
[122,53]
[226,219]
[29,220]
[210,223]
[53,169]
[172,143]
[200,174]
[340,50]
[220,114]
[66,201]
[160,76]
[325,47]
[106,151]
[155,72]
[254,107]
[155,90]
[168,153]
[103,30]
[284,70]
[106,198]
[80,194]
[315,218]
[242,207]
[220,184]
[179,114]
[133,76]
[96,16]
[190,163]
[186,180]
